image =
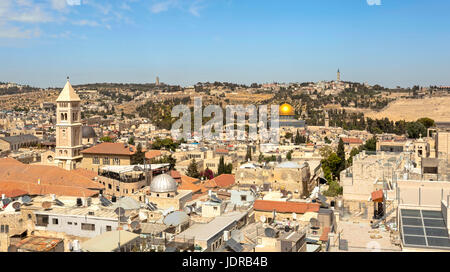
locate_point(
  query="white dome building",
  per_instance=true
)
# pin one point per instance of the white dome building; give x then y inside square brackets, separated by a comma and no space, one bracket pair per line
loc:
[163,186]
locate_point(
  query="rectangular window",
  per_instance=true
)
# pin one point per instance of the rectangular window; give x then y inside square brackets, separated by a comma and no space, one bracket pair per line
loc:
[243,198]
[95,160]
[105,161]
[116,161]
[108,228]
[109,186]
[69,223]
[90,227]
[55,221]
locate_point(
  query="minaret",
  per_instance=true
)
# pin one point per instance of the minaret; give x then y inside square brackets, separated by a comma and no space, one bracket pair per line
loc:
[68,128]
[327,120]
[338,76]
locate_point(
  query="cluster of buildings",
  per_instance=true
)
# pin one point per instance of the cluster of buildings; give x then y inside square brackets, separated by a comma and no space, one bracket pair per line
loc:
[63,187]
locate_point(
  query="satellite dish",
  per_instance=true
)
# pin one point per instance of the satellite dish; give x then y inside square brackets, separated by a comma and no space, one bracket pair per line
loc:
[135,225]
[269,232]
[25,199]
[119,211]
[187,209]
[263,219]
[46,205]
[16,205]
[314,223]
[6,201]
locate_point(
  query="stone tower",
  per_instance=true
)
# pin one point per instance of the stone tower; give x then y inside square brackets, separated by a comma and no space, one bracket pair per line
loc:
[338,76]
[68,128]
[327,119]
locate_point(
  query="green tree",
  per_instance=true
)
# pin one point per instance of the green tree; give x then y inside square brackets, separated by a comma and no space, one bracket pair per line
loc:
[139,156]
[341,154]
[415,130]
[289,155]
[248,156]
[427,122]
[106,139]
[131,140]
[221,168]
[192,170]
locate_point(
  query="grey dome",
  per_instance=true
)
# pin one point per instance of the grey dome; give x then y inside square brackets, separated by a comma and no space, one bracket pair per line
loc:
[163,184]
[88,132]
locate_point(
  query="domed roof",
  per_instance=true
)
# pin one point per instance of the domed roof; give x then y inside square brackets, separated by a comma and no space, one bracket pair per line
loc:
[163,184]
[286,109]
[88,132]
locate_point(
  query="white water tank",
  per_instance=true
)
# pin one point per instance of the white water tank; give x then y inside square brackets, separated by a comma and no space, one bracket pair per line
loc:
[226,235]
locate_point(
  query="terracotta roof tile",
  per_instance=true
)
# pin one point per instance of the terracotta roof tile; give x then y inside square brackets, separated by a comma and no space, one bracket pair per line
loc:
[111,148]
[45,189]
[50,175]
[152,154]
[352,140]
[224,180]
[286,206]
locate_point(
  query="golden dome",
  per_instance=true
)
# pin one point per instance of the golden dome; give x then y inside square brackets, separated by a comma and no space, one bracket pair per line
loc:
[286,109]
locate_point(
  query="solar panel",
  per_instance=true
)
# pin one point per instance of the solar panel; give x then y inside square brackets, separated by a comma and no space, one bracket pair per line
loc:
[432,214]
[235,246]
[215,199]
[437,232]
[58,202]
[436,223]
[407,221]
[439,242]
[105,202]
[411,213]
[415,240]
[413,231]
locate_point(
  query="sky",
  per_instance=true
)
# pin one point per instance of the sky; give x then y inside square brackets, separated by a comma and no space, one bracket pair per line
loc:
[387,42]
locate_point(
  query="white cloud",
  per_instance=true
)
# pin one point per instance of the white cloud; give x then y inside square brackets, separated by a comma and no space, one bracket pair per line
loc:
[193,7]
[86,23]
[374,2]
[13,32]
[161,6]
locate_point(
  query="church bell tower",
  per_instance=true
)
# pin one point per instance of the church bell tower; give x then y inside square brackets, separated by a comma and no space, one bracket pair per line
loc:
[68,128]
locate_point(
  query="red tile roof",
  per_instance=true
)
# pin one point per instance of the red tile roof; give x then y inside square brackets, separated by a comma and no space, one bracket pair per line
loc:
[9,161]
[152,154]
[45,189]
[285,206]
[47,175]
[14,192]
[221,150]
[377,196]
[352,140]
[224,180]
[175,174]
[111,148]
[85,173]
